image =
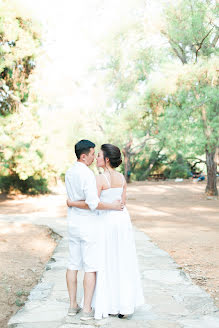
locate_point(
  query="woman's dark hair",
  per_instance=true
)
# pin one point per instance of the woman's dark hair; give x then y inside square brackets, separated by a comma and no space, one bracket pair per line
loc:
[113,153]
[83,147]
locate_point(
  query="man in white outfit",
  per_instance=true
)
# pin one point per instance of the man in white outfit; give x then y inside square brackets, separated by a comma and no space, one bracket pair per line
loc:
[83,227]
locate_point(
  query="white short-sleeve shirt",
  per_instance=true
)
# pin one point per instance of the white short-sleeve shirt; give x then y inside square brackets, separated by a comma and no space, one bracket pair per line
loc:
[80,184]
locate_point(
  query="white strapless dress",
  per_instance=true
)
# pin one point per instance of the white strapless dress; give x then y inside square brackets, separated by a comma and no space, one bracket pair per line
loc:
[118,286]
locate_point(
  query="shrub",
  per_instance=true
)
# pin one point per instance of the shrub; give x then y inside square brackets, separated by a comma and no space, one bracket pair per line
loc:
[24,166]
[31,185]
[178,169]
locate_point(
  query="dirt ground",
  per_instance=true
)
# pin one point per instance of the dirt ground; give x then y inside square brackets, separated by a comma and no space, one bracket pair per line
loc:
[24,250]
[180,220]
[176,215]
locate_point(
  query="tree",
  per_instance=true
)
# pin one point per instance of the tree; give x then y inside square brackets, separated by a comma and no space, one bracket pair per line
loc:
[192,29]
[22,146]
[22,154]
[190,117]
[126,70]
[19,44]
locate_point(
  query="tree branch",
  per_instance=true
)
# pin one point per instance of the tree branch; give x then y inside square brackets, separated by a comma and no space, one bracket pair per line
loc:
[201,43]
[216,38]
[173,44]
[139,146]
[153,162]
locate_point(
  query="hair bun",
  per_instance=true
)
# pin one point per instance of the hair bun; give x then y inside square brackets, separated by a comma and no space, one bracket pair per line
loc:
[113,153]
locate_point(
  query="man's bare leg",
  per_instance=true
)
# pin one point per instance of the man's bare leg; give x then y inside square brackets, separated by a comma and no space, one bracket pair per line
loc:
[71,279]
[89,285]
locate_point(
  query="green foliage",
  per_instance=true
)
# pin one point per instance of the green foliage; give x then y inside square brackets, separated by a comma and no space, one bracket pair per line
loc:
[31,185]
[23,167]
[19,303]
[140,96]
[163,107]
[178,168]
[190,116]
[192,29]
[127,67]
[19,42]
[23,163]
[22,292]
[147,163]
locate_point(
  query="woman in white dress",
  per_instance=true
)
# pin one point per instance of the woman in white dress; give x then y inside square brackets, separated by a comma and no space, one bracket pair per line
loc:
[118,286]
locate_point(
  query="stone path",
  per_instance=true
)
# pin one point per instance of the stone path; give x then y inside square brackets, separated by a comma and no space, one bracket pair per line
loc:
[171,299]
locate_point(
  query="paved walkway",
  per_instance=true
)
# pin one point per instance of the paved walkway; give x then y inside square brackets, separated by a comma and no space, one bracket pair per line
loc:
[171,299]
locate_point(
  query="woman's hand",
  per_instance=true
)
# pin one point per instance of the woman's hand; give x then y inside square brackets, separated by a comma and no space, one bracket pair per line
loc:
[118,205]
[67,202]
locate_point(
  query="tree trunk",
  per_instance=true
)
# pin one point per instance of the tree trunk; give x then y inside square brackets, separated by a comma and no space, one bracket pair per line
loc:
[127,162]
[152,163]
[211,188]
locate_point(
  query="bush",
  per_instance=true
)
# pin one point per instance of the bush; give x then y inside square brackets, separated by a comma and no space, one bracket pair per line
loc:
[178,169]
[24,166]
[31,185]
[144,167]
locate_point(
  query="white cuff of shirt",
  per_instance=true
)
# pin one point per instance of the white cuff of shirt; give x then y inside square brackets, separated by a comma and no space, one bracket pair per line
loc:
[92,205]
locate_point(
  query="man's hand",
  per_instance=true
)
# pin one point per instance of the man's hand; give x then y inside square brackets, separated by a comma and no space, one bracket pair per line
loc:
[118,205]
[67,202]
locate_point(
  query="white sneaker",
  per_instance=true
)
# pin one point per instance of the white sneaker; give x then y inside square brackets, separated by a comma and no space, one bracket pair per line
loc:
[74,311]
[87,315]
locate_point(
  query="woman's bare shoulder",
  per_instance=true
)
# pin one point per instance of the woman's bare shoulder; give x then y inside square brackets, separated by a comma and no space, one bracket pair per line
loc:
[123,177]
[100,177]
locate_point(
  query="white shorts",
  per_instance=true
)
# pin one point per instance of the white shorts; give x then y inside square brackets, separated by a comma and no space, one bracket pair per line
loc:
[83,232]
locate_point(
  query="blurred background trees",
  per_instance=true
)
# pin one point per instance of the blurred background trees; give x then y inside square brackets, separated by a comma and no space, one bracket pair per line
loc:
[149,85]
[168,91]
[19,44]
[23,166]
